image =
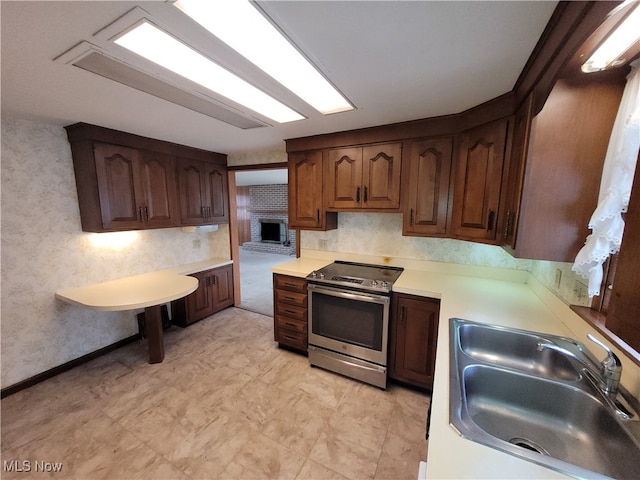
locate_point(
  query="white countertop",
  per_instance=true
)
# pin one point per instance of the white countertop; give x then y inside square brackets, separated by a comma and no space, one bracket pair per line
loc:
[469,294]
[139,291]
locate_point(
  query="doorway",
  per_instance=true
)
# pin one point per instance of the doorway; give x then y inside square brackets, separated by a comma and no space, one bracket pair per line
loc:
[261,199]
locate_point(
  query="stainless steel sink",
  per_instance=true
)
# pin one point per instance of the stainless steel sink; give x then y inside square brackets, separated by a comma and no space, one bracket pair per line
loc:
[516,349]
[538,404]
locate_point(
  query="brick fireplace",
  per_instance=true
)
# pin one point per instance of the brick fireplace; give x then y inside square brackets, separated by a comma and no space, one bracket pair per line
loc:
[269,220]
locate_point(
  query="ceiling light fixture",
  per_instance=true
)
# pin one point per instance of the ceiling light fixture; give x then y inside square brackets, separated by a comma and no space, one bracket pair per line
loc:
[155,45]
[620,41]
[266,48]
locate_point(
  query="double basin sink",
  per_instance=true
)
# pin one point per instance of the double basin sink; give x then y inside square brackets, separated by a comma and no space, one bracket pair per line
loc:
[535,396]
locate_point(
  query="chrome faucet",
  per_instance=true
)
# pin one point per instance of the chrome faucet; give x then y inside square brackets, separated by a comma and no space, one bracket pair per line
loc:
[610,369]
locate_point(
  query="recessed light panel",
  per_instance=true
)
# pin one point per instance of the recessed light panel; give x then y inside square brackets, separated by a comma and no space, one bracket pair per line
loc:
[159,47]
[266,48]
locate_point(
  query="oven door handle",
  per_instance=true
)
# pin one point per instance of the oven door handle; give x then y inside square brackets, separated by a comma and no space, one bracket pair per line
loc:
[358,296]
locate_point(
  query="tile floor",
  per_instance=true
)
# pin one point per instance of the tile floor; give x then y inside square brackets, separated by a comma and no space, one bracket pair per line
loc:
[225,404]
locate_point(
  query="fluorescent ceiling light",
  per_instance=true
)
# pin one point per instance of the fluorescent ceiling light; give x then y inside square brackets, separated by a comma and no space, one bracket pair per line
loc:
[622,38]
[266,48]
[161,48]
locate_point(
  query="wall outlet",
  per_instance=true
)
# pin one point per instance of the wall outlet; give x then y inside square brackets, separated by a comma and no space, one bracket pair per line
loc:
[580,291]
[196,244]
[558,278]
[322,244]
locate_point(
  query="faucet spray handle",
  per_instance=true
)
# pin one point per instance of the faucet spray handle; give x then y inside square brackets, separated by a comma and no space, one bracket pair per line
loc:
[610,367]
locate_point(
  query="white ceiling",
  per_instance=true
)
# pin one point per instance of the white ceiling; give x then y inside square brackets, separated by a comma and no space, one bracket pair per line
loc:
[395,61]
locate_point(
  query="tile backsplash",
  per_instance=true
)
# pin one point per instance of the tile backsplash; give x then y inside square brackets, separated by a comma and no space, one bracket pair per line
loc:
[44,250]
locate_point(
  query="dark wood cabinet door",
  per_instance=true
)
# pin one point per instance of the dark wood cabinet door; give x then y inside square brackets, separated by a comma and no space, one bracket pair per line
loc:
[306,209]
[429,170]
[222,287]
[215,188]
[158,177]
[414,332]
[478,181]
[624,308]
[192,201]
[344,178]
[200,302]
[119,186]
[507,225]
[381,176]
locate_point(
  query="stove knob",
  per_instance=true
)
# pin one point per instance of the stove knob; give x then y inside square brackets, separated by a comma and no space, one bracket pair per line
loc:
[321,275]
[314,274]
[385,284]
[374,283]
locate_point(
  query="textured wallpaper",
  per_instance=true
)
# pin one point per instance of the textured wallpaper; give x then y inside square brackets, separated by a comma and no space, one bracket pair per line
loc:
[43,250]
[380,234]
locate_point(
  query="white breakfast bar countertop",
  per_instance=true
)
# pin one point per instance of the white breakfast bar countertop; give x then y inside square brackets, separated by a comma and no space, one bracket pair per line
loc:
[470,296]
[139,291]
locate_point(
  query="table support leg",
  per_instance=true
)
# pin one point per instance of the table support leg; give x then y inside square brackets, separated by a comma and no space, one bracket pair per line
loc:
[153,321]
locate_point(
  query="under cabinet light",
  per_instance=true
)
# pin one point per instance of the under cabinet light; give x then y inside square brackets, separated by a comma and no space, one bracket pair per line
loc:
[163,49]
[241,26]
[621,40]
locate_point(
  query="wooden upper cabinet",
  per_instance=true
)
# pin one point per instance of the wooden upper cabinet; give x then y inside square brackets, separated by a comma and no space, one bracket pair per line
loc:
[136,188]
[129,182]
[203,192]
[161,197]
[306,207]
[478,180]
[508,220]
[427,178]
[365,177]
[344,178]
[563,162]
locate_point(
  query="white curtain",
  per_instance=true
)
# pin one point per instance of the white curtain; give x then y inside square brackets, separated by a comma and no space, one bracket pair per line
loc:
[606,222]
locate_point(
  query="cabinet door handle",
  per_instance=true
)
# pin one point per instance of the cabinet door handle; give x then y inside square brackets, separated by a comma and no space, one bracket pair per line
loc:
[357,194]
[365,195]
[140,215]
[146,213]
[202,210]
[213,279]
[318,216]
[209,212]
[402,313]
[490,219]
[411,217]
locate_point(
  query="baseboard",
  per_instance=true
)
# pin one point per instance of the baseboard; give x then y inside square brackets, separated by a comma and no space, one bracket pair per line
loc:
[41,377]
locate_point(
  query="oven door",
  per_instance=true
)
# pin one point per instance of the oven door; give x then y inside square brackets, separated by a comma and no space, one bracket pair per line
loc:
[349,322]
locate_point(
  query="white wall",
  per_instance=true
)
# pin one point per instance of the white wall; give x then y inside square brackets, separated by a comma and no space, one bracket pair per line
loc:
[44,250]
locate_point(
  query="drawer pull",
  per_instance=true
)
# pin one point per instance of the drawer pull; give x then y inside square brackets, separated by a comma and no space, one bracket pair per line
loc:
[293,339]
[290,311]
[291,325]
[292,285]
[291,299]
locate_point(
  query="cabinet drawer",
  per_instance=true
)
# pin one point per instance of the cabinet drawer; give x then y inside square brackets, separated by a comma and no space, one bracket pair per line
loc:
[293,284]
[286,323]
[299,313]
[291,298]
[292,339]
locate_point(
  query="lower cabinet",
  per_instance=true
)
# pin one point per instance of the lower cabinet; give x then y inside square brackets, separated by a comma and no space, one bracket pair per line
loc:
[413,333]
[214,293]
[290,312]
